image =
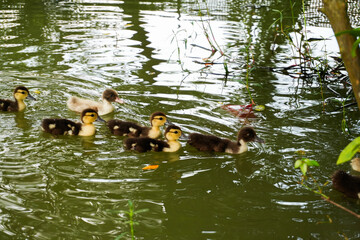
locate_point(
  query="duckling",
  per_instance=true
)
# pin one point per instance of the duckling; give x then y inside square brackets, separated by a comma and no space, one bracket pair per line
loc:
[68,127]
[145,144]
[109,95]
[355,164]
[347,184]
[131,129]
[20,93]
[212,143]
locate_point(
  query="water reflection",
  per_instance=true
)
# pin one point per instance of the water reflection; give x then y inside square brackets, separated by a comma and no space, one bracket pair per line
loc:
[21,121]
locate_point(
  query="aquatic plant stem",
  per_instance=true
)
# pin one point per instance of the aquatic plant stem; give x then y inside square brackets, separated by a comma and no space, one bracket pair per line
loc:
[212,41]
[341,207]
[131,220]
[211,31]
[321,89]
[324,197]
[249,68]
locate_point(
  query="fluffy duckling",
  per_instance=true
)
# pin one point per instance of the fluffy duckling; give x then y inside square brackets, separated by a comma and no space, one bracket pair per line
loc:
[20,93]
[145,144]
[68,127]
[355,164]
[131,129]
[347,184]
[212,143]
[109,95]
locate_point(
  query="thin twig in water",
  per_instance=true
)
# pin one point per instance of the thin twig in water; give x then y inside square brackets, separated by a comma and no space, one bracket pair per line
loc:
[341,207]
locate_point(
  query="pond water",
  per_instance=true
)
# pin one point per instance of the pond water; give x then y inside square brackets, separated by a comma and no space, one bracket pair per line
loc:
[153,53]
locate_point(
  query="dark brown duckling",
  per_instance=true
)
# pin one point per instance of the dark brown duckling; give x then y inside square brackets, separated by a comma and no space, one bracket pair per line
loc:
[131,129]
[145,144]
[212,143]
[346,183]
[20,94]
[68,127]
[109,95]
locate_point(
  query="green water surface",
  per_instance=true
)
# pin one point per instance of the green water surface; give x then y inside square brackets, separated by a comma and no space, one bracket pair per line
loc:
[152,53]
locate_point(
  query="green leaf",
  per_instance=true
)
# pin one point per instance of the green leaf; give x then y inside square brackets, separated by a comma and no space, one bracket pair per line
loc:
[298,163]
[354,32]
[120,236]
[141,210]
[354,47]
[310,162]
[259,108]
[349,151]
[303,168]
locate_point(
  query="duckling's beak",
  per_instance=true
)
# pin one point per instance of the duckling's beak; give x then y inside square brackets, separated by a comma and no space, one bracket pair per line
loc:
[259,140]
[118,100]
[100,119]
[30,97]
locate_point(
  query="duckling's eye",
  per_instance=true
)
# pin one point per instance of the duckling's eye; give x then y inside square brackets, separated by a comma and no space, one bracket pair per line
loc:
[22,92]
[160,118]
[176,132]
[92,115]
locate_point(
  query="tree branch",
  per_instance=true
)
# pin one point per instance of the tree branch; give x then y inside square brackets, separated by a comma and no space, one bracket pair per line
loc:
[336,11]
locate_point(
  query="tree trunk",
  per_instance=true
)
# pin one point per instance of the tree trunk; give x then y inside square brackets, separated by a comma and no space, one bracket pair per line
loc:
[336,11]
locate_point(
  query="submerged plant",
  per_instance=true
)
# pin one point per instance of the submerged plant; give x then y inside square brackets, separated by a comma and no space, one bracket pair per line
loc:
[130,214]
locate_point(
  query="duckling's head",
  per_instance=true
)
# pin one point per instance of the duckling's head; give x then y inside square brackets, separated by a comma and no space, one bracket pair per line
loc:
[21,92]
[88,116]
[248,134]
[111,95]
[355,164]
[172,133]
[158,119]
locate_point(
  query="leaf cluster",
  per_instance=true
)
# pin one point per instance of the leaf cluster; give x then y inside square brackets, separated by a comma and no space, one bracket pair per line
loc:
[304,163]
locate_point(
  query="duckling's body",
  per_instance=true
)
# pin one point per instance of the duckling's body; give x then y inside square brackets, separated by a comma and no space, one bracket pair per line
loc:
[145,144]
[20,94]
[109,95]
[215,144]
[60,126]
[131,129]
[68,127]
[346,183]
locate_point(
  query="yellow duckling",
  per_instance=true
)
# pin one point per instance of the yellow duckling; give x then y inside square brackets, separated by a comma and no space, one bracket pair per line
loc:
[145,144]
[109,95]
[68,127]
[131,129]
[212,143]
[20,94]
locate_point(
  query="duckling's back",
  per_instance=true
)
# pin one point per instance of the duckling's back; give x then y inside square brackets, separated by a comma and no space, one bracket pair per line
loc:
[8,105]
[122,128]
[346,183]
[60,126]
[208,142]
[145,144]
